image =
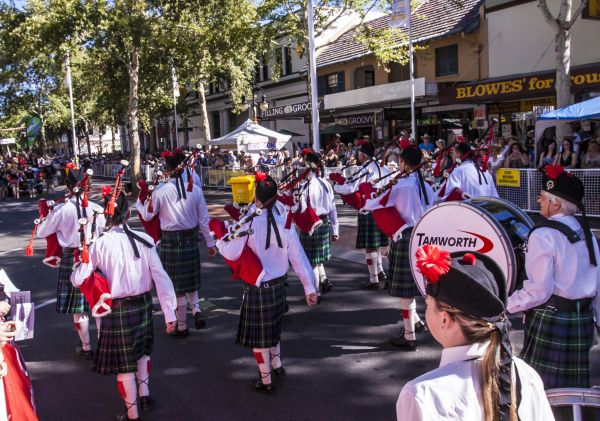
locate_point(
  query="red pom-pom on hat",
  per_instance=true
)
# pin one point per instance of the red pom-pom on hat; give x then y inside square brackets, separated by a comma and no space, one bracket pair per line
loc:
[553,171]
[468,259]
[433,262]
[165,153]
[260,176]
[106,190]
[404,143]
[306,151]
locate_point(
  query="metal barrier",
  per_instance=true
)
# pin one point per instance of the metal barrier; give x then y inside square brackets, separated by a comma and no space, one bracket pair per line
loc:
[524,196]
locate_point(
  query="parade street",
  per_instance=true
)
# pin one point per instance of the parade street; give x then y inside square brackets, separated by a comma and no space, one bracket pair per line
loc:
[340,365]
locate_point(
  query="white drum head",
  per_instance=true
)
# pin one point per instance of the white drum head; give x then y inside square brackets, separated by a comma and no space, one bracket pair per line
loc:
[459,226]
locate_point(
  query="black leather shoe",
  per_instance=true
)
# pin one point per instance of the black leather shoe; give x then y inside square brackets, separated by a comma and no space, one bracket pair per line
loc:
[382,277]
[146,403]
[403,344]
[259,386]
[124,417]
[318,299]
[86,355]
[279,372]
[326,286]
[369,285]
[199,320]
[180,333]
[287,307]
[420,326]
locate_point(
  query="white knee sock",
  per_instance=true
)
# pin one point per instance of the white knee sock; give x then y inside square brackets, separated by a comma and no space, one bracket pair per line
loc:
[317,279]
[144,368]
[98,321]
[379,261]
[408,306]
[128,391]
[322,274]
[82,324]
[192,298]
[261,355]
[275,352]
[181,312]
[372,266]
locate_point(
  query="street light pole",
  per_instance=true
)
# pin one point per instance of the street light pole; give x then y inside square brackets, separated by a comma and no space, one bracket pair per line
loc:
[175,95]
[413,116]
[69,84]
[312,67]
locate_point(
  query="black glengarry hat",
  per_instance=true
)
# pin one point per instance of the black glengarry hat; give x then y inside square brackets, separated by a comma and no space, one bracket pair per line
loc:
[563,184]
[366,147]
[266,187]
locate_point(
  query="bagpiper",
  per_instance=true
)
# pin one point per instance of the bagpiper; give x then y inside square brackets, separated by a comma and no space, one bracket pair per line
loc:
[369,237]
[75,222]
[317,194]
[560,295]
[182,211]
[411,196]
[260,249]
[129,266]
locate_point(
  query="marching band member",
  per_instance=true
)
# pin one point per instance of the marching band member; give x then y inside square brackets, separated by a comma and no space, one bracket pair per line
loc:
[467,178]
[411,196]
[65,221]
[131,265]
[263,303]
[560,295]
[368,237]
[478,377]
[181,213]
[318,193]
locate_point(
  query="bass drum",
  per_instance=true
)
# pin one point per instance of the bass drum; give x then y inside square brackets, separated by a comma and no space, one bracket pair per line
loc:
[486,225]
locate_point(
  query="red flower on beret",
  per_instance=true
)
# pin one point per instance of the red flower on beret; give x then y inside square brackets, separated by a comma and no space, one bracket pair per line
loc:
[106,190]
[166,153]
[306,151]
[432,262]
[404,143]
[260,177]
[553,171]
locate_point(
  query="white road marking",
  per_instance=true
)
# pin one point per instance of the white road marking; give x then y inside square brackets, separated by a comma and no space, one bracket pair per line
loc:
[45,303]
[354,347]
[10,251]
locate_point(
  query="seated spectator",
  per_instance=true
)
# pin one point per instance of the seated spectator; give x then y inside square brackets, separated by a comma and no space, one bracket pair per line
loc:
[566,158]
[591,159]
[548,155]
[331,159]
[517,157]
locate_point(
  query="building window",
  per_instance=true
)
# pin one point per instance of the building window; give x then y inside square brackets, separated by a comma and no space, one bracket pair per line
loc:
[446,60]
[264,68]
[364,76]
[216,124]
[287,55]
[331,83]
[399,72]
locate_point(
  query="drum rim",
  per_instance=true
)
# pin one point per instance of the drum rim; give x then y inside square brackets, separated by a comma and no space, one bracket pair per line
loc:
[582,397]
[505,242]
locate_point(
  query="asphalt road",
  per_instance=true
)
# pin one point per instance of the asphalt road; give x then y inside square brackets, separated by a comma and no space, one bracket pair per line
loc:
[340,365]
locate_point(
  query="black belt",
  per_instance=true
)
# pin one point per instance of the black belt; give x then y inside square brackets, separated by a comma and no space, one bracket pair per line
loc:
[269,284]
[135,299]
[324,218]
[557,303]
[180,235]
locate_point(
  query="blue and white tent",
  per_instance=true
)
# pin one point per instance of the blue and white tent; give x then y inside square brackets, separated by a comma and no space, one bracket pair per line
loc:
[586,110]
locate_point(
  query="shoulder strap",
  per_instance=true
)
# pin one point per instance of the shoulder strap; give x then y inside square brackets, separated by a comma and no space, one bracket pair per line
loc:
[571,235]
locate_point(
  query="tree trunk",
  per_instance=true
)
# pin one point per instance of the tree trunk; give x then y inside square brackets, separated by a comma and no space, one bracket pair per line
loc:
[152,140]
[112,135]
[563,68]
[43,136]
[204,126]
[134,74]
[87,137]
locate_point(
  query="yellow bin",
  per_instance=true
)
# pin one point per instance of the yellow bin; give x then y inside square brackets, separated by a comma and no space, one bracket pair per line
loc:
[242,188]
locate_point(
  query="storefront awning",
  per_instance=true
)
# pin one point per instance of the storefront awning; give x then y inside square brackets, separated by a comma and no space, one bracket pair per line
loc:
[388,92]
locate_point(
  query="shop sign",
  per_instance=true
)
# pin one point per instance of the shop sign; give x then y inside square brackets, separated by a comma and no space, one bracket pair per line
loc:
[354,120]
[8,141]
[539,84]
[479,112]
[528,104]
[298,109]
[508,177]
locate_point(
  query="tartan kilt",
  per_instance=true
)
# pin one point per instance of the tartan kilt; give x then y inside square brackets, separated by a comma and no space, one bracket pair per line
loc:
[261,316]
[180,256]
[400,281]
[369,236]
[69,299]
[317,246]
[125,336]
[557,345]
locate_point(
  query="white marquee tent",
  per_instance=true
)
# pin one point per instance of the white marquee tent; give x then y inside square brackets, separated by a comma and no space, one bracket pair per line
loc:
[252,138]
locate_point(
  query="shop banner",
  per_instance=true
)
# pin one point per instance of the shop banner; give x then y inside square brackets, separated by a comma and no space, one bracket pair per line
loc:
[508,177]
[299,109]
[354,120]
[535,85]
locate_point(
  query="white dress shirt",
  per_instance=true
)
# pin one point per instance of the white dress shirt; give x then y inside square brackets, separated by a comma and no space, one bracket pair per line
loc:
[371,172]
[275,260]
[406,197]
[195,176]
[178,214]
[322,199]
[63,221]
[127,275]
[454,390]
[555,266]
[466,178]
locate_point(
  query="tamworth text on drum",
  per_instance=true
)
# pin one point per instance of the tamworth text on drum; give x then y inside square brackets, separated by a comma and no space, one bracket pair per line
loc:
[468,242]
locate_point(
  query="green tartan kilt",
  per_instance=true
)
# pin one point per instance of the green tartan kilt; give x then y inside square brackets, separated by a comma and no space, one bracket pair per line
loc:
[400,281]
[557,345]
[369,236]
[261,316]
[180,256]
[317,246]
[125,336]
[69,299]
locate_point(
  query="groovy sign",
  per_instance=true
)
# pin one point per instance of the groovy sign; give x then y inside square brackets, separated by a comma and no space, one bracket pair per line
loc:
[541,84]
